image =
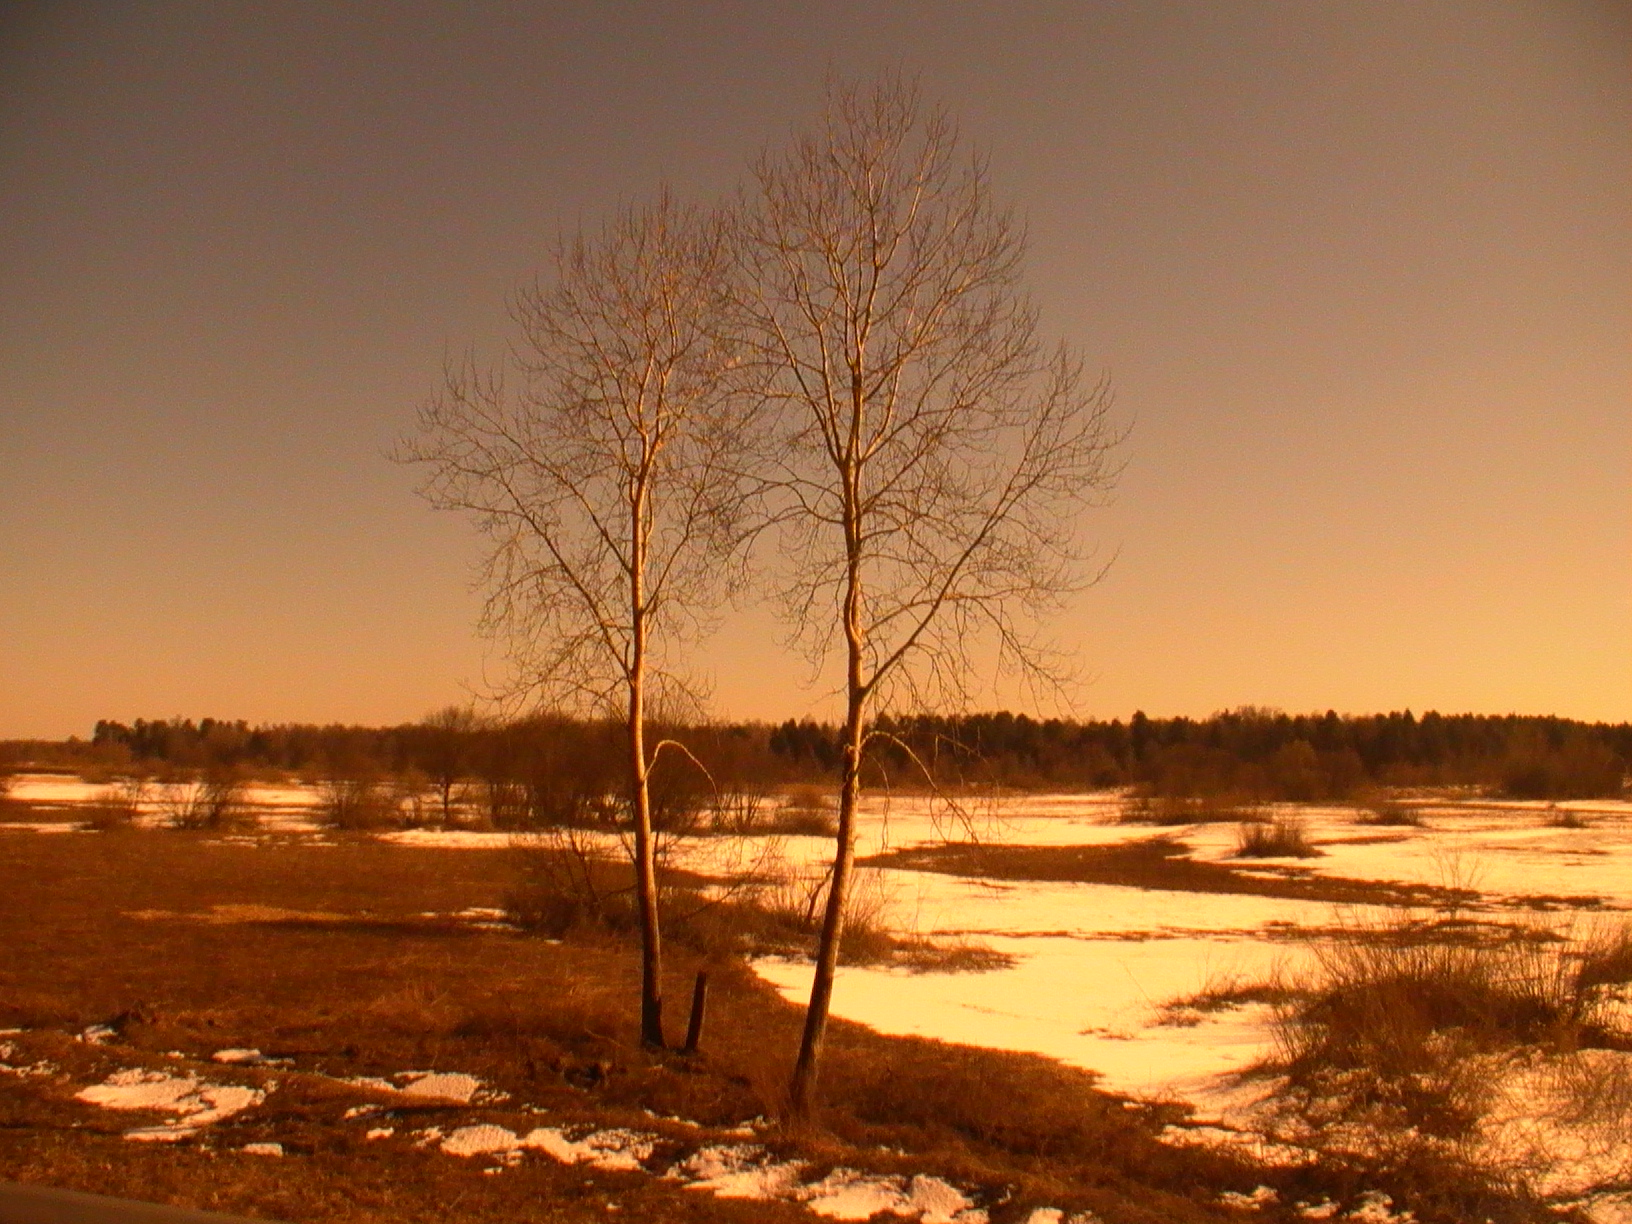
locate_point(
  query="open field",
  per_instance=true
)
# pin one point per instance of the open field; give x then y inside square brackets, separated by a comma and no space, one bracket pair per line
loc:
[1150,962]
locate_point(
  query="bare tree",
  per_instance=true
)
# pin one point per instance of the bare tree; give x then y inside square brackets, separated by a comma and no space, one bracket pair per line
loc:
[936,455]
[445,741]
[606,484]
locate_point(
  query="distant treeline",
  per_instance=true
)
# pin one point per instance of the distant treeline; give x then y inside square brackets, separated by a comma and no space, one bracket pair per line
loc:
[1249,753]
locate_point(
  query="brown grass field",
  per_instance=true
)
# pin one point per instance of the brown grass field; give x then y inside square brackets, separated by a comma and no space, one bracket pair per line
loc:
[325,955]
[1162,863]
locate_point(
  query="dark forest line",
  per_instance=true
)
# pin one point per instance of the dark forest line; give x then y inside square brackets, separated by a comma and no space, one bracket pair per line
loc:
[1248,753]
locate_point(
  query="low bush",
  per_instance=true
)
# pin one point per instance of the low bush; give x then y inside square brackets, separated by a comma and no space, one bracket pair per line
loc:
[1170,811]
[1282,837]
[1565,818]
[1389,813]
[120,802]
[359,803]
[568,881]
[213,801]
[740,812]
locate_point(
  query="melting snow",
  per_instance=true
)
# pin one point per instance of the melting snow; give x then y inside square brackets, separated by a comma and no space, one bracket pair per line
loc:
[739,1171]
[440,1085]
[246,1057]
[197,1103]
[480,1140]
[846,1194]
[607,1149]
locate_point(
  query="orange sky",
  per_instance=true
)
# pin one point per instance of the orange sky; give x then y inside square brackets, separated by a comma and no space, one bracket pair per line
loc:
[1361,274]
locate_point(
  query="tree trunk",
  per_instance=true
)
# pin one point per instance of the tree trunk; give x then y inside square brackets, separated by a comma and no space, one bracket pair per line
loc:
[699,1007]
[651,946]
[802,1089]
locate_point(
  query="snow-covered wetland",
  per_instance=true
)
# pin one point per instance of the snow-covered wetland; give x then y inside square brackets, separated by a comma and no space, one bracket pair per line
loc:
[1157,958]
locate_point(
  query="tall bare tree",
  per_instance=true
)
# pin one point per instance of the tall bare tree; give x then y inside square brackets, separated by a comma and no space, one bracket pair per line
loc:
[937,455]
[606,482]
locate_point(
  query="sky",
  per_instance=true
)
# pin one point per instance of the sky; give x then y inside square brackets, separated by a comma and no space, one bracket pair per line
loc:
[1360,273]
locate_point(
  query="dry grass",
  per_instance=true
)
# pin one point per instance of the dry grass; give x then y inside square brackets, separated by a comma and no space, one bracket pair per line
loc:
[1565,818]
[322,954]
[567,883]
[1389,813]
[1396,1052]
[1605,957]
[1159,863]
[1282,837]
[1172,811]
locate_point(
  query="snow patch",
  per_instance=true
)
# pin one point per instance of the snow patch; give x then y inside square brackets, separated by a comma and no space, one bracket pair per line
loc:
[848,1194]
[196,1103]
[439,1085]
[481,1140]
[1378,1208]
[743,1171]
[248,1057]
[613,1150]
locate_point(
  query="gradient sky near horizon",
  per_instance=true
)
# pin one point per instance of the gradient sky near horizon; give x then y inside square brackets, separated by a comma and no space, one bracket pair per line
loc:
[1360,272]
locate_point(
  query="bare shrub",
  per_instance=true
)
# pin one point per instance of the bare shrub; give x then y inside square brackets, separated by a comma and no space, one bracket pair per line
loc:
[1170,811]
[119,804]
[743,811]
[501,803]
[1223,991]
[359,803]
[418,803]
[1388,813]
[1565,818]
[569,880]
[806,811]
[1282,837]
[212,801]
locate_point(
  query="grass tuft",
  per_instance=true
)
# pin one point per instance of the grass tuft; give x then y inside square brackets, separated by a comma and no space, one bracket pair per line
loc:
[1565,818]
[1389,813]
[1172,811]
[1282,837]
[1400,1033]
